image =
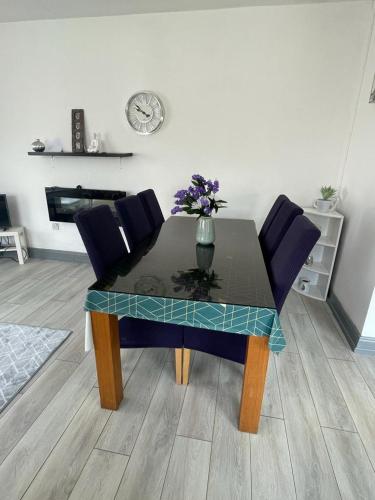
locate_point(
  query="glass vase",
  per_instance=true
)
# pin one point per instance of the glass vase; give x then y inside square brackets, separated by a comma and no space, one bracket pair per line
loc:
[205,231]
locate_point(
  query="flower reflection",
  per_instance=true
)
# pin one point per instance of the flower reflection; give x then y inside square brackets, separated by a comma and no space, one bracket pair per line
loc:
[197,282]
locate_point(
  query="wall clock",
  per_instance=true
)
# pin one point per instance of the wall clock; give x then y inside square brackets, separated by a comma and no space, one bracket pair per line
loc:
[145,112]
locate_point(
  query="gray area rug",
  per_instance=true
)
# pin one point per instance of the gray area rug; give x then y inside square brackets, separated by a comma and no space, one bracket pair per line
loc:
[23,351]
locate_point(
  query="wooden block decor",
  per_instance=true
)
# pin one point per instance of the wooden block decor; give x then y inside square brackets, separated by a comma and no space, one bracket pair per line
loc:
[78,130]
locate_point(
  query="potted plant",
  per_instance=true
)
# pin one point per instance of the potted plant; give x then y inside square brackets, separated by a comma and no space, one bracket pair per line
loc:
[328,201]
[199,198]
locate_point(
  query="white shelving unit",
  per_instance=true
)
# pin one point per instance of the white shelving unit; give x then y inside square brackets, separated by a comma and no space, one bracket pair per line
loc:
[17,244]
[324,253]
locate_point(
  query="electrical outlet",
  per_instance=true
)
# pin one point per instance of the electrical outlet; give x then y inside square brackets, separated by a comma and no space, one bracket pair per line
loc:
[55,226]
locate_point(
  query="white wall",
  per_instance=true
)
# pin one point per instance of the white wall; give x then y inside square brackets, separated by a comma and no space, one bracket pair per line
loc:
[262,98]
[369,326]
[355,269]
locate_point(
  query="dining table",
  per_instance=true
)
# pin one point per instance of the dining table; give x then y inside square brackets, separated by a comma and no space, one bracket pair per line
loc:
[223,287]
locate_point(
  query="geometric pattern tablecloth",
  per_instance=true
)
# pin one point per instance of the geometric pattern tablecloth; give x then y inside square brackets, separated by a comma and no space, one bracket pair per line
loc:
[243,320]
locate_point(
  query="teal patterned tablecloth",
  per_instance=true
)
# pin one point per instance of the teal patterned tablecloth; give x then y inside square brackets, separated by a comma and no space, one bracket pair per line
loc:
[242,320]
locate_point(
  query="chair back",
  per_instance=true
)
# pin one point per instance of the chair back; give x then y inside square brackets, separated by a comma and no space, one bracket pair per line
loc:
[151,207]
[137,227]
[271,215]
[286,214]
[290,256]
[101,236]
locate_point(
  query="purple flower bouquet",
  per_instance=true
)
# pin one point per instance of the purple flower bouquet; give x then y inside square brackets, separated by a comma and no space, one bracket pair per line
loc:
[199,198]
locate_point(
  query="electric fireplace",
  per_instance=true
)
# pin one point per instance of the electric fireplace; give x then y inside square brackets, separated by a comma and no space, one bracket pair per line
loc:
[63,203]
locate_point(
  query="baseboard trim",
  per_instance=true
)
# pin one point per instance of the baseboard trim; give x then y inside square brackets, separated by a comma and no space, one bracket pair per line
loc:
[349,329]
[366,345]
[64,255]
[359,344]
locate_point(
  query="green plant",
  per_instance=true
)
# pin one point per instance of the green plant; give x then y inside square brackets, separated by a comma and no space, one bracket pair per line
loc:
[327,192]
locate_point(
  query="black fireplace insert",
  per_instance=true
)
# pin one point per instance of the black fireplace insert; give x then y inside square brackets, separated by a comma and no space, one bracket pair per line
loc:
[63,203]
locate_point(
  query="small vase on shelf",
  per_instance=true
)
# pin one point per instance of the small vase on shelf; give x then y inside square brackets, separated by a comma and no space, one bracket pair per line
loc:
[205,231]
[38,146]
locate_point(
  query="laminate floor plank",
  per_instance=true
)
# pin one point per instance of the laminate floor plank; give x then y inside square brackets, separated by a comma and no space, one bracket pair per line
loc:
[83,278]
[73,349]
[355,476]
[269,452]
[46,285]
[188,469]
[6,309]
[366,365]
[332,341]
[122,429]
[145,474]
[40,315]
[69,315]
[294,303]
[24,461]
[77,441]
[291,345]
[100,477]
[360,400]
[22,415]
[312,469]
[329,402]
[198,411]
[129,360]
[271,406]
[229,475]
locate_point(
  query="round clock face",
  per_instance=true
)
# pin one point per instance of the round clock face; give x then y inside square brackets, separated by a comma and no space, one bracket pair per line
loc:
[145,112]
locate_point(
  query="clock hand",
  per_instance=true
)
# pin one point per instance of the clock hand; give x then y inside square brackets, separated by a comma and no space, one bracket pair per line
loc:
[140,110]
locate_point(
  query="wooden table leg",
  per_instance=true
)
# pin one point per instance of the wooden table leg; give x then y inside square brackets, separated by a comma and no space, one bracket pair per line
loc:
[106,338]
[254,378]
[178,360]
[186,366]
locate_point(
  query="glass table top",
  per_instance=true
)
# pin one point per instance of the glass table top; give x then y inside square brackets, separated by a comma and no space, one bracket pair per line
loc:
[172,265]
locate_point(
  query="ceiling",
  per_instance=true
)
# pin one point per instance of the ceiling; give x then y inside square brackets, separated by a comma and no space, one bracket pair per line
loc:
[27,10]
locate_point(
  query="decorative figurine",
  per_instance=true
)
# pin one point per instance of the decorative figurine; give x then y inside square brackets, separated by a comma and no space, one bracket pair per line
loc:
[38,146]
[94,146]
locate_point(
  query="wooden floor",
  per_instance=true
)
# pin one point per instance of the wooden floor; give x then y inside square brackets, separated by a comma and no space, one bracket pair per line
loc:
[317,432]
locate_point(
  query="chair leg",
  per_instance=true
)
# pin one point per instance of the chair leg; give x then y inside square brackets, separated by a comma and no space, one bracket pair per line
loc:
[178,359]
[186,366]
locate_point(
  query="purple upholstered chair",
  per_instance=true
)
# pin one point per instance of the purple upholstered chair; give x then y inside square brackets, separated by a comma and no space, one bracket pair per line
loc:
[105,247]
[101,237]
[151,207]
[283,270]
[271,215]
[284,217]
[133,218]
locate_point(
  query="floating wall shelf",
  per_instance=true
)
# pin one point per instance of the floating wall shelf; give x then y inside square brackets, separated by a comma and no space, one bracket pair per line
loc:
[87,155]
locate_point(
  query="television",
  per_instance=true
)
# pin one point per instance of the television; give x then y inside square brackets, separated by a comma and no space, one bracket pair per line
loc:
[4,213]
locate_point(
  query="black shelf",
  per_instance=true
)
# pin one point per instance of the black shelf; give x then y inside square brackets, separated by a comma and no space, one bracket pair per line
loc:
[87,155]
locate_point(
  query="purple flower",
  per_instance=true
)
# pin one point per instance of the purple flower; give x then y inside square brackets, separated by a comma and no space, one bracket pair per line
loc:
[197,177]
[204,202]
[210,185]
[207,211]
[194,193]
[175,210]
[215,188]
[181,194]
